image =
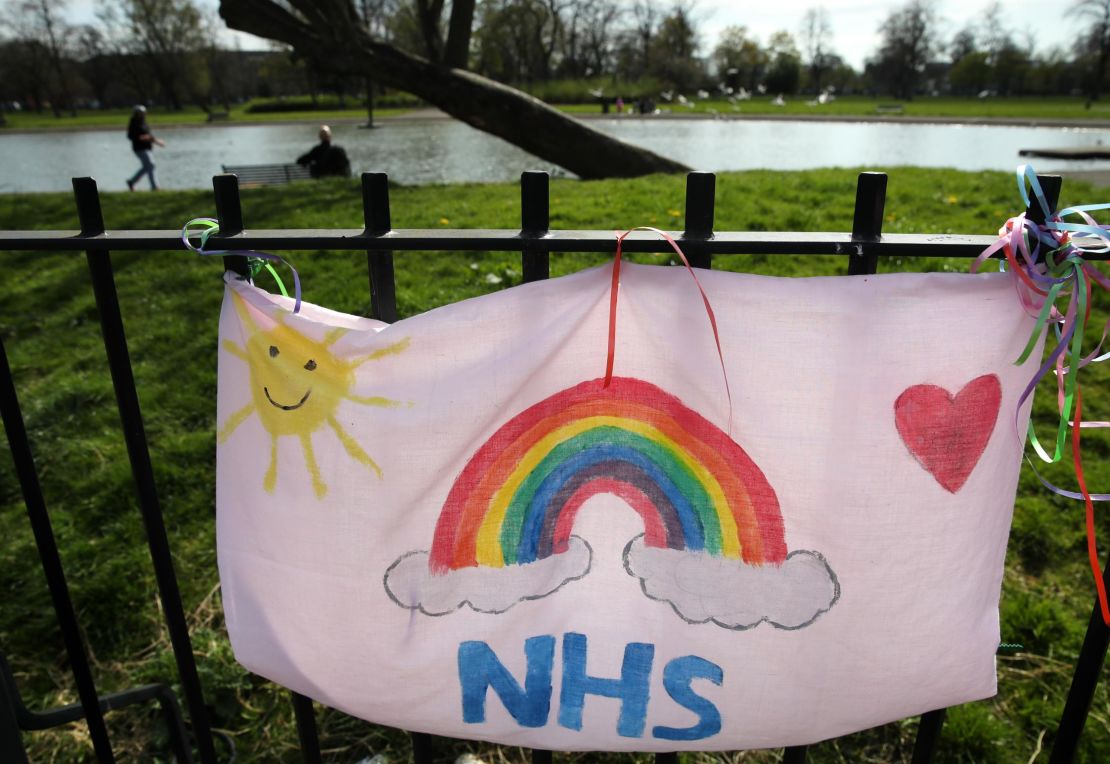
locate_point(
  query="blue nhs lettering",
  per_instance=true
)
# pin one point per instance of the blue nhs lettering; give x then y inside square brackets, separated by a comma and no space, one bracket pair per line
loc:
[530,706]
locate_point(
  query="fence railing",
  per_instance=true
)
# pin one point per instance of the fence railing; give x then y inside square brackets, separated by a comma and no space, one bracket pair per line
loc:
[862,247]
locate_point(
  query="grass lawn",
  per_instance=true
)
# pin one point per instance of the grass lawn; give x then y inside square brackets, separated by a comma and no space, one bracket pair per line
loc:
[190,115]
[1056,107]
[170,304]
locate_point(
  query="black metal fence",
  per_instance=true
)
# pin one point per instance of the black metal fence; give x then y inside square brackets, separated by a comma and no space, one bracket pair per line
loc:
[862,247]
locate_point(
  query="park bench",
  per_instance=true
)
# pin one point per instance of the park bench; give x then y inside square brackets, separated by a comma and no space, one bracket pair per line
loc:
[889,108]
[218,116]
[862,248]
[267,174]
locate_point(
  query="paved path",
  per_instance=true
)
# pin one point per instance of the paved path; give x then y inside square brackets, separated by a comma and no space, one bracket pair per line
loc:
[1098,178]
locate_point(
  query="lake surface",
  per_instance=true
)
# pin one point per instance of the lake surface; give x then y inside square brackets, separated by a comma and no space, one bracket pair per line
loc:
[416,151]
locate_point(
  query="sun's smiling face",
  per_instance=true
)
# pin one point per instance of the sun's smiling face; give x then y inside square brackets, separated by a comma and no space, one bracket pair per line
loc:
[296,386]
[296,383]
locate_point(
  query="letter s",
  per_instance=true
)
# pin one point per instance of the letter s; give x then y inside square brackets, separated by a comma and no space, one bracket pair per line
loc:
[677,676]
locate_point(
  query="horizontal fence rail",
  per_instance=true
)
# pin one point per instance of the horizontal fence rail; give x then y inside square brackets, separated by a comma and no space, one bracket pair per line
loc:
[863,247]
[501,240]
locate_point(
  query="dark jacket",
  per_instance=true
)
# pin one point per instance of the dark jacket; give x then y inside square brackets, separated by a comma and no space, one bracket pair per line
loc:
[136,128]
[326,159]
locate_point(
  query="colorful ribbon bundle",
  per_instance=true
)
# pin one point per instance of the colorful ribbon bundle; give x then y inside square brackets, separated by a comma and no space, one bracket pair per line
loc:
[1048,262]
[256,261]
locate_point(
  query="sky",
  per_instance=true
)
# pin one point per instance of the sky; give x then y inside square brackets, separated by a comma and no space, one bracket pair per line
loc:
[855,23]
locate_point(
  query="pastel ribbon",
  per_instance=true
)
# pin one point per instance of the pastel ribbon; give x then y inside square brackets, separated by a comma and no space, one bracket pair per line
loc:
[255,260]
[1050,269]
[615,288]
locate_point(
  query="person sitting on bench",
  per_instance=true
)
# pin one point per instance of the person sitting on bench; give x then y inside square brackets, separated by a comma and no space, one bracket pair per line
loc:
[326,158]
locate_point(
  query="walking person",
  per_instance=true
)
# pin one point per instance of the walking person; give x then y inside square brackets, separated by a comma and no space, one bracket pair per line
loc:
[142,143]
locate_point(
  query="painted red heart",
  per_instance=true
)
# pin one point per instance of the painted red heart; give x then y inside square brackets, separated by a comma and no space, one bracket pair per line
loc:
[947,434]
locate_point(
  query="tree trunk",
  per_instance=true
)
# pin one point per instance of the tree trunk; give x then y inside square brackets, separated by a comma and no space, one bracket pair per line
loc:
[369,102]
[333,38]
[457,52]
[429,15]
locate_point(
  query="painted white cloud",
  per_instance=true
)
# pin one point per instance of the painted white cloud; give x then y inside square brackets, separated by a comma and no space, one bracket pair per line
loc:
[732,594]
[411,584]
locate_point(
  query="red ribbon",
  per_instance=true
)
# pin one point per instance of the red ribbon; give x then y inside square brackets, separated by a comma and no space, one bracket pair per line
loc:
[1092,548]
[615,288]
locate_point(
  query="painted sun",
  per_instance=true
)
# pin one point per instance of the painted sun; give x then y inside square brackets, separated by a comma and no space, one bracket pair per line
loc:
[296,386]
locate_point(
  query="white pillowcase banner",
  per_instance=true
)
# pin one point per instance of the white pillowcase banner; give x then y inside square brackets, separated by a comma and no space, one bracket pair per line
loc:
[453,524]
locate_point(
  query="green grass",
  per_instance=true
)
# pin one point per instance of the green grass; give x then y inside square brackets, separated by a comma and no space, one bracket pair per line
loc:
[189,115]
[1034,108]
[170,304]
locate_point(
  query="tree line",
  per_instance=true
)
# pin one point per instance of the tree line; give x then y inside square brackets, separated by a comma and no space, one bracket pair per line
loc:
[163,51]
[168,52]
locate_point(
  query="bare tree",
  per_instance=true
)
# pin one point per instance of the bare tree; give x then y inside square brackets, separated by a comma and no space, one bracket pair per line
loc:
[96,65]
[1097,14]
[42,22]
[219,66]
[816,39]
[23,73]
[374,14]
[166,34]
[1009,63]
[329,33]
[518,39]
[964,43]
[740,59]
[599,17]
[908,39]
[673,56]
[784,63]
[647,18]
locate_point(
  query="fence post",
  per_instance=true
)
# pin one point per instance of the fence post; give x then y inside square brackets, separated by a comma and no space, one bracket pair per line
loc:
[119,362]
[867,225]
[701,191]
[535,217]
[422,751]
[229,212]
[383,306]
[1051,185]
[51,561]
[379,263]
[306,728]
[11,742]
[928,736]
[535,264]
[867,222]
[1088,666]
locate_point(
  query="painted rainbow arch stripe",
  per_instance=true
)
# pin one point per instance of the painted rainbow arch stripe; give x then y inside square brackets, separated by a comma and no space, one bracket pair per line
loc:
[695,489]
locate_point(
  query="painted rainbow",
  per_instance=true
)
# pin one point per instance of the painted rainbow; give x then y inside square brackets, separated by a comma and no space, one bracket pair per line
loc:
[694,488]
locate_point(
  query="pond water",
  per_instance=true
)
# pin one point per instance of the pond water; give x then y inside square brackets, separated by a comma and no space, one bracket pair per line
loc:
[415,151]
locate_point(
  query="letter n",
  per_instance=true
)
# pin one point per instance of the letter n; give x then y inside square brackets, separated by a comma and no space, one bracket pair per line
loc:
[480,668]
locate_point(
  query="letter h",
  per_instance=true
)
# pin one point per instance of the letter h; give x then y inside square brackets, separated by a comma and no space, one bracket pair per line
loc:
[632,688]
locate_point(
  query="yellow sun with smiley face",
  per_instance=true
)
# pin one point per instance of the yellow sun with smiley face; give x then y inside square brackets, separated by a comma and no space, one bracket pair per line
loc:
[296,385]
